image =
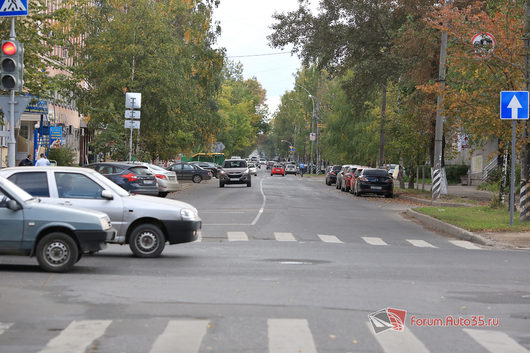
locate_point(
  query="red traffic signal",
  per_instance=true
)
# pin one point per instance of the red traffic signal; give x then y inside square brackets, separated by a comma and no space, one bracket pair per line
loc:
[9,48]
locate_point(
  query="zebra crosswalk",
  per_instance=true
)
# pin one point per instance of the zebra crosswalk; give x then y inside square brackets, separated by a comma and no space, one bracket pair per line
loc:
[280,335]
[287,237]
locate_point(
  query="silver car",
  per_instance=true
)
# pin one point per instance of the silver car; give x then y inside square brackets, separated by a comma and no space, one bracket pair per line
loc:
[146,223]
[56,235]
[166,180]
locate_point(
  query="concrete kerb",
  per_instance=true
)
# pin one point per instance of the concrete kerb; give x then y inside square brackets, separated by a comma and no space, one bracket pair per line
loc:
[441,226]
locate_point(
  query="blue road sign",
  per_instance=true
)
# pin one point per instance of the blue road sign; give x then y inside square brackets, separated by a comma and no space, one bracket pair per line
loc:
[514,105]
[13,8]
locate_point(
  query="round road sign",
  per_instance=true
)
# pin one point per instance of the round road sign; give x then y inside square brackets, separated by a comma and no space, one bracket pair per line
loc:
[483,45]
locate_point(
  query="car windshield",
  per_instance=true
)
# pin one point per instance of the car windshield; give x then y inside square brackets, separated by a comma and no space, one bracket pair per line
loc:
[108,184]
[234,164]
[336,168]
[376,172]
[15,190]
[140,170]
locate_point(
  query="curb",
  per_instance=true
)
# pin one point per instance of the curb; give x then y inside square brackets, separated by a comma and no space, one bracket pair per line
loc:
[450,229]
[433,203]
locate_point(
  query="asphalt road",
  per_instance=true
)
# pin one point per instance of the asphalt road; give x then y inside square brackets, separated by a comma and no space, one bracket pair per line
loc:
[289,265]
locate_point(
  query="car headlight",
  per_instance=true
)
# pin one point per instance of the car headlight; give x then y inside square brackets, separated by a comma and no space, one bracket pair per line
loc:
[189,214]
[105,223]
[247,171]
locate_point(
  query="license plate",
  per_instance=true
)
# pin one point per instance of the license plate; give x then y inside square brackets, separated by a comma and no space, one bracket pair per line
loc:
[234,179]
[376,187]
[149,181]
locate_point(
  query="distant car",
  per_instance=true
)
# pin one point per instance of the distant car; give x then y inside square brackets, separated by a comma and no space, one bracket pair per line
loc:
[331,174]
[146,223]
[212,167]
[347,177]
[374,181]
[278,169]
[188,171]
[166,180]
[253,169]
[56,235]
[235,171]
[290,169]
[270,164]
[235,157]
[262,161]
[136,179]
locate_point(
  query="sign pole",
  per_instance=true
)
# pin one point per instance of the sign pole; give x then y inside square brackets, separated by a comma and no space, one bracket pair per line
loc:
[12,142]
[512,173]
[132,126]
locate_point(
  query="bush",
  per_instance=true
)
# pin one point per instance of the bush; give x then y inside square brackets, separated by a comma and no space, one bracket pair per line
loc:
[64,156]
[454,172]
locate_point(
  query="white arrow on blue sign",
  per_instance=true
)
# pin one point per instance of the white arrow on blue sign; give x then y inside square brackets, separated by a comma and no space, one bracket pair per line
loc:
[13,8]
[514,105]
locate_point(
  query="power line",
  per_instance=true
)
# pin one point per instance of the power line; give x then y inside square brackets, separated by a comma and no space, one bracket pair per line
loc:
[251,55]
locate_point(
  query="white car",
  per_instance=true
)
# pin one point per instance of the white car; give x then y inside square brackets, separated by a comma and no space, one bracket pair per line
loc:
[290,169]
[253,169]
[166,179]
[146,223]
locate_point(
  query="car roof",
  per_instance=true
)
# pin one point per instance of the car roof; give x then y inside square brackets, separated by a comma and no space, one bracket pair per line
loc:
[235,159]
[44,168]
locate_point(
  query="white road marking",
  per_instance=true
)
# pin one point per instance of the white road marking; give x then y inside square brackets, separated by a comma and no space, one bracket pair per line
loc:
[421,243]
[260,212]
[290,335]
[329,239]
[465,244]
[181,336]
[237,236]
[4,327]
[496,342]
[284,236]
[399,342]
[77,336]
[374,241]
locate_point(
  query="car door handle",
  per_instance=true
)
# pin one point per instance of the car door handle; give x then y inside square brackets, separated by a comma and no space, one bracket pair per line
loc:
[67,203]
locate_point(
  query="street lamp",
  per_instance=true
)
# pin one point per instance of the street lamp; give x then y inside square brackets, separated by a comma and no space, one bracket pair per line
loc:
[312,118]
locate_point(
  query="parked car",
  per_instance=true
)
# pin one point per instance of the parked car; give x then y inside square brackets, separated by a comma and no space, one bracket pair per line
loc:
[137,179]
[278,169]
[56,235]
[347,178]
[146,223]
[354,178]
[253,169]
[290,169]
[212,167]
[331,174]
[374,181]
[340,174]
[166,180]
[188,171]
[235,171]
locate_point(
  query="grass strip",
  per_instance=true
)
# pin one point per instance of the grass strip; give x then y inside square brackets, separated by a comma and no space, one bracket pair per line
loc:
[477,219]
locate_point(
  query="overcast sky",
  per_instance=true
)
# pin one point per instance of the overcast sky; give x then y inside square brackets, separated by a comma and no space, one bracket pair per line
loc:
[245,25]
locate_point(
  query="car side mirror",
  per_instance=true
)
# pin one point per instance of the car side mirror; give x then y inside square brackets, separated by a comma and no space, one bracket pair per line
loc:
[106,194]
[13,205]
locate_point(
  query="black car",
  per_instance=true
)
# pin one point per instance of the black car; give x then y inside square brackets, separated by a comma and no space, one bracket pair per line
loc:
[189,171]
[331,175]
[212,167]
[374,181]
[137,179]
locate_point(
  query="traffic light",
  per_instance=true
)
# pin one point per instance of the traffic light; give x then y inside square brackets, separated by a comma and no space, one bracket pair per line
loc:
[12,65]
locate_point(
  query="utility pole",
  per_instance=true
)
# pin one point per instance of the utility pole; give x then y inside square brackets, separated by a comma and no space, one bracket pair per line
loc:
[524,201]
[438,136]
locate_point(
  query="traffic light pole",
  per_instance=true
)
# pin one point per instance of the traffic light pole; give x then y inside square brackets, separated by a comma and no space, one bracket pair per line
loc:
[11,142]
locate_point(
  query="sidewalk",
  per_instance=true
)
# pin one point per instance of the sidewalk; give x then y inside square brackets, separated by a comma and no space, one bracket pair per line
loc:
[457,195]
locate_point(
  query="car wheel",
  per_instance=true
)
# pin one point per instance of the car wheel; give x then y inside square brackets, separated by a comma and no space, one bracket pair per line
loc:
[327,182]
[147,240]
[272,174]
[221,184]
[249,184]
[389,196]
[283,174]
[57,252]
[196,179]
[163,194]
